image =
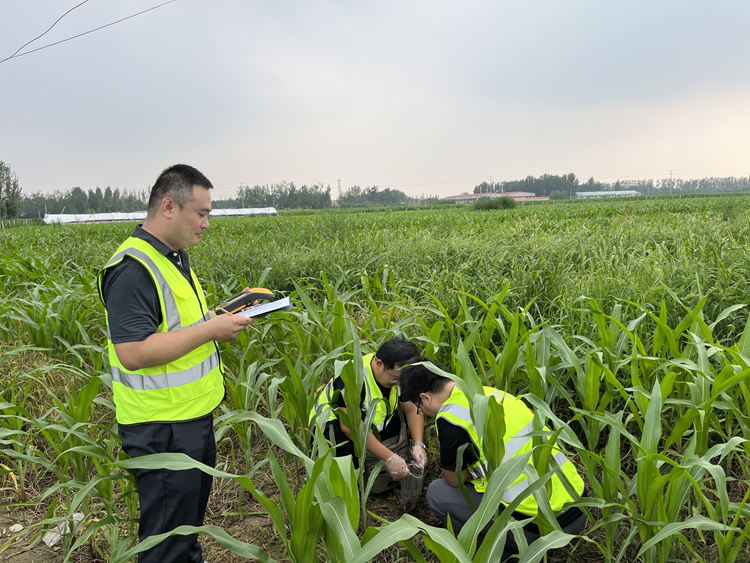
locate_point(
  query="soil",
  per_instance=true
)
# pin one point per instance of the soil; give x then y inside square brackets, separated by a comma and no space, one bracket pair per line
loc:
[18,551]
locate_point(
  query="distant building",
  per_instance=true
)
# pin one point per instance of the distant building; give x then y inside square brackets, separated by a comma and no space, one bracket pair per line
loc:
[620,193]
[471,198]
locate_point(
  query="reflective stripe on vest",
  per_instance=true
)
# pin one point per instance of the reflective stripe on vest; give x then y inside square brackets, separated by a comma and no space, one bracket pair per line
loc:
[166,380]
[512,446]
[476,471]
[186,388]
[322,408]
[170,306]
[455,411]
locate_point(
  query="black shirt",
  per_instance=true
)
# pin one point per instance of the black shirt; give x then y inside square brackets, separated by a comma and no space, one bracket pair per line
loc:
[394,425]
[453,437]
[131,298]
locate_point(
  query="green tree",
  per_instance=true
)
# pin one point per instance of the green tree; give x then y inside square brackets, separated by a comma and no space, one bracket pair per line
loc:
[284,195]
[10,192]
[77,202]
[95,200]
[541,186]
[116,204]
[106,201]
[357,197]
[485,203]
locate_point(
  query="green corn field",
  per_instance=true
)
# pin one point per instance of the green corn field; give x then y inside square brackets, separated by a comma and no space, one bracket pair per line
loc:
[623,324]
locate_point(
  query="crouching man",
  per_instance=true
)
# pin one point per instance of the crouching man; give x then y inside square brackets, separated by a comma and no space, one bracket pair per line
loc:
[392,419]
[440,398]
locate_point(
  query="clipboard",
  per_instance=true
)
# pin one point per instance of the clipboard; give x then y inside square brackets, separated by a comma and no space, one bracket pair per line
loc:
[259,310]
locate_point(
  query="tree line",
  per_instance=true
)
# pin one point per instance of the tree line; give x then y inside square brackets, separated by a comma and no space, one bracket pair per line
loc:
[565,185]
[287,196]
[363,197]
[77,202]
[284,195]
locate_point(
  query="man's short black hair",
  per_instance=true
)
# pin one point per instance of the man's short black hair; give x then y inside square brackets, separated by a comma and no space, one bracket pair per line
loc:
[177,182]
[398,350]
[415,380]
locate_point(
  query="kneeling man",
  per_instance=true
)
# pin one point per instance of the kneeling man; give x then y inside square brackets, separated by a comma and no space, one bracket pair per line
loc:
[440,398]
[393,417]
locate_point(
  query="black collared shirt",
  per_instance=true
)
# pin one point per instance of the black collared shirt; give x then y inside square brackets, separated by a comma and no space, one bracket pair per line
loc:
[453,437]
[131,297]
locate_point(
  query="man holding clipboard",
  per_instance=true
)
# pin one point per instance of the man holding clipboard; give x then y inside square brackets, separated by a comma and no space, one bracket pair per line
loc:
[167,374]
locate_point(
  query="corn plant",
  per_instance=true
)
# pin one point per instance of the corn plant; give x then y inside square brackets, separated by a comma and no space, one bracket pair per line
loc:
[496,297]
[252,389]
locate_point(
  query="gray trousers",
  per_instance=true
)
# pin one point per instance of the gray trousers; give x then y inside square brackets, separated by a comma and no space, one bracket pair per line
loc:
[445,500]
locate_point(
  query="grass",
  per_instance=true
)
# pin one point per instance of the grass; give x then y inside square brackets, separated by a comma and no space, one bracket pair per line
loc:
[610,316]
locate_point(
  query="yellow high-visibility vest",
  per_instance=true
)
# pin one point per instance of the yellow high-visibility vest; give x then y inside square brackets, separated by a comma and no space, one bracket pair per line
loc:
[518,424]
[384,410]
[187,388]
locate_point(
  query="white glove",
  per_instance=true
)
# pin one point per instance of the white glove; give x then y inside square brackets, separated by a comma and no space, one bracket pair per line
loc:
[419,455]
[397,468]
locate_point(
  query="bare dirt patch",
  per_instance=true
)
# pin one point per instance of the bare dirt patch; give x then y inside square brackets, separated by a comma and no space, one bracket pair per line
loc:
[18,551]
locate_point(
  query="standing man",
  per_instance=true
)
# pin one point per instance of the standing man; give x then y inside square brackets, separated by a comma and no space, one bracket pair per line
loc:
[392,418]
[440,398]
[167,374]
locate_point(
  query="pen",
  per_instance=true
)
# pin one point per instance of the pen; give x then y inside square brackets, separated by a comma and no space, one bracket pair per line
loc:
[232,314]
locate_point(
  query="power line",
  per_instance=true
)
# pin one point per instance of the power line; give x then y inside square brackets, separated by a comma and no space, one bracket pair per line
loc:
[46,32]
[16,55]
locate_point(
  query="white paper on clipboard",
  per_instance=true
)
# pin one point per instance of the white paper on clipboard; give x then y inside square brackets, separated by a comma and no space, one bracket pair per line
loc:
[279,305]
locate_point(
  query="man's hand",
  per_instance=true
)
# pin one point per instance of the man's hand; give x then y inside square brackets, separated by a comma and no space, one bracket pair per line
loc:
[226,327]
[419,455]
[397,468]
[163,347]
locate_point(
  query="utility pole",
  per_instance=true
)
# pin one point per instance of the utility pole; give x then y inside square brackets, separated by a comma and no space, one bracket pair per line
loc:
[671,185]
[339,187]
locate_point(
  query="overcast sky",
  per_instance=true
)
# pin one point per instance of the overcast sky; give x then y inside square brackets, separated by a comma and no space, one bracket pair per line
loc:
[423,96]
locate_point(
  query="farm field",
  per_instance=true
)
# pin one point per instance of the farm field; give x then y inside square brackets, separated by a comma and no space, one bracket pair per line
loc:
[623,323]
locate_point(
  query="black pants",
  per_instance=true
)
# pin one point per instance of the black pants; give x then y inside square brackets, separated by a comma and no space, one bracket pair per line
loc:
[170,499]
[344,445]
